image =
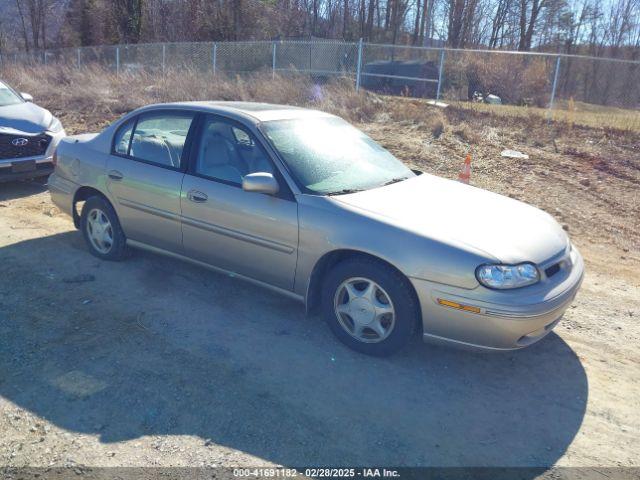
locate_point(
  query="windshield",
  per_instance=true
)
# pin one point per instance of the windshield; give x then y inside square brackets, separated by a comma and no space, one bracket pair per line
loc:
[329,156]
[8,96]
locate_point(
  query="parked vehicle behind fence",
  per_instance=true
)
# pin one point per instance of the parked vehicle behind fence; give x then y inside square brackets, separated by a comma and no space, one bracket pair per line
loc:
[396,77]
[307,205]
[29,135]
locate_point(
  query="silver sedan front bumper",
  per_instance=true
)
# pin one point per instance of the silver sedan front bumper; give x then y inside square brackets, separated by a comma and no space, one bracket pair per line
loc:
[498,320]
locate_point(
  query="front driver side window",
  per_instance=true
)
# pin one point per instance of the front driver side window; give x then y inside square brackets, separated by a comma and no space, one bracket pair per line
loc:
[228,152]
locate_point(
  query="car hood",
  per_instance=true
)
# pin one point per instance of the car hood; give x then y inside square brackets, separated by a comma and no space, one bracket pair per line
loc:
[431,206]
[24,117]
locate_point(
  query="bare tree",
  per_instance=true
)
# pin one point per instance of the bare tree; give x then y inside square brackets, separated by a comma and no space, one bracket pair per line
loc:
[499,23]
[462,16]
[529,13]
[416,23]
[370,13]
[3,37]
[129,14]
[397,17]
[579,26]
[23,24]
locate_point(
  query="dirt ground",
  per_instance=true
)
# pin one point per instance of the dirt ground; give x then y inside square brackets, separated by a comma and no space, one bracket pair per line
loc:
[156,363]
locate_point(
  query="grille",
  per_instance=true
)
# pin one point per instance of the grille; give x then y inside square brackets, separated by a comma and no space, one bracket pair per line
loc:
[552,270]
[36,146]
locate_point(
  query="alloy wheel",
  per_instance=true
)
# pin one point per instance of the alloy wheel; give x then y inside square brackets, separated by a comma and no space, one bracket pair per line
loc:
[99,231]
[364,309]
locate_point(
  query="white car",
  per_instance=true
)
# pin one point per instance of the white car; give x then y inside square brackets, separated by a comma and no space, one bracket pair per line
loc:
[29,135]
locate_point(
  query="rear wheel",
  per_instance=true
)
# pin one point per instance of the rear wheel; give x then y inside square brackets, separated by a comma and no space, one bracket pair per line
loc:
[369,306]
[101,230]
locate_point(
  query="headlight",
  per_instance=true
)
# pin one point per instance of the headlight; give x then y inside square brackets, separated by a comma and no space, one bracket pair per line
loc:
[507,276]
[55,126]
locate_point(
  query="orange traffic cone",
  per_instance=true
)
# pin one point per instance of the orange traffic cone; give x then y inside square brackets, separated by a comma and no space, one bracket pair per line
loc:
[465,171]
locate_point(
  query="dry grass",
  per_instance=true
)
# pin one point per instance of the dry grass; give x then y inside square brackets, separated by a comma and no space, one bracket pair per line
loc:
[567,114]
[587,176]
[92,98]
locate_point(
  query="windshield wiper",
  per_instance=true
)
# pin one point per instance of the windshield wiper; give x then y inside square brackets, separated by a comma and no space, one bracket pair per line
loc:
[355,190]
[394,180]
[345,191]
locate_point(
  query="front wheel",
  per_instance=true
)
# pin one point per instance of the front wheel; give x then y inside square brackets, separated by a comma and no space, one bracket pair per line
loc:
[101,230]
[369,306]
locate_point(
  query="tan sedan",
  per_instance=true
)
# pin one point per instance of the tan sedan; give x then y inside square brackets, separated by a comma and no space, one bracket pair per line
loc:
[307,205]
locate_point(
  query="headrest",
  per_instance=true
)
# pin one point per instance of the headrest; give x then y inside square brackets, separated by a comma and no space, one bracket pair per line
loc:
[215,150]
[217,127]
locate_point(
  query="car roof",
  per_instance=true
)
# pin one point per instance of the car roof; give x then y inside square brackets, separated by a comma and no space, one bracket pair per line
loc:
[253,111]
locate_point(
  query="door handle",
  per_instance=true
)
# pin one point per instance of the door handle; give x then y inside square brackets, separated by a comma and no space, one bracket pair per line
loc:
[115,175]
[197,197]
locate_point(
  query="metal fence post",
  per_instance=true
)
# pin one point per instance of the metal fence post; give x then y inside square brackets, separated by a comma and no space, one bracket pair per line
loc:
[273,61]
[117,60]
[164,58]
[359,65]
[555,83]
[78,58]
[214,57]
[440,75]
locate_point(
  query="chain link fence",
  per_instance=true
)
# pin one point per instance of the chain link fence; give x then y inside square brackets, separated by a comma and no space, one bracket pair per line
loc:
[515,78]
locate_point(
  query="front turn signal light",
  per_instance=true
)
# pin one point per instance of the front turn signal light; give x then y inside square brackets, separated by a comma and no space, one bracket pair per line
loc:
[458,306]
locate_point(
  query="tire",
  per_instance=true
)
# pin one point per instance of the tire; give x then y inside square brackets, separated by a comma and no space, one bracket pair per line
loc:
[95,209]
[347,313]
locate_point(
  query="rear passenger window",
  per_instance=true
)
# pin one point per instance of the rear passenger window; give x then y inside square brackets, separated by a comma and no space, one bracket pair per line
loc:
[123,138]
[159,138]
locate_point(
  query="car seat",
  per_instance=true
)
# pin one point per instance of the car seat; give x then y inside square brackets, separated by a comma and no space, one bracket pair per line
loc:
[152,149]
[218,156]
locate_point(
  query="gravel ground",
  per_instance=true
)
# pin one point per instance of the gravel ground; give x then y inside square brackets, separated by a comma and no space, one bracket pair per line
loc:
[153,362]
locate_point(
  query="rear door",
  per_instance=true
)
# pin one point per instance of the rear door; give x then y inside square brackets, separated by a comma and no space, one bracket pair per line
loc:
[145,172]
[253,234]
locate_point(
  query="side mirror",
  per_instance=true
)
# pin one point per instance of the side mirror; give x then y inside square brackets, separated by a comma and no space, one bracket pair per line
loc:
[26,97]
[260,182]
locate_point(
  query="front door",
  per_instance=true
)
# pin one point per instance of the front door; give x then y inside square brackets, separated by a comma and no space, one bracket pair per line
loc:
[145,173]
[253,234]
